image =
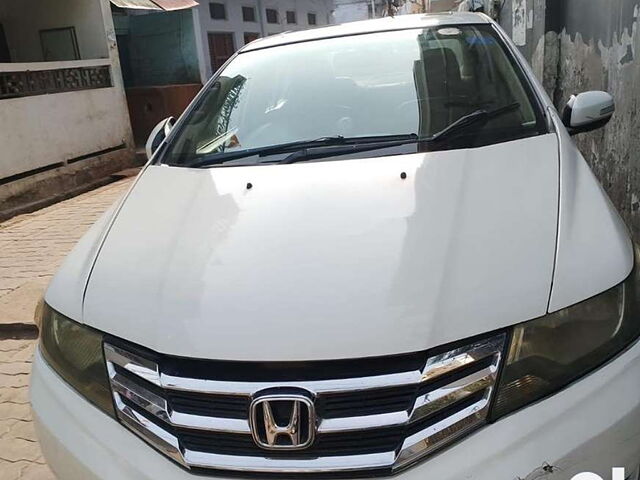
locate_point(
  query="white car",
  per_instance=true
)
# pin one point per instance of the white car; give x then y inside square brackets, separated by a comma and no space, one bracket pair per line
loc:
[364,250]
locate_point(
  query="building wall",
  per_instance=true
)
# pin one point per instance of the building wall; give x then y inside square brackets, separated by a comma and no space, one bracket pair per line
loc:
[39,131]
[49,129]
[525,22]
[24,19]
[234,23]
[352,10]
[578,45]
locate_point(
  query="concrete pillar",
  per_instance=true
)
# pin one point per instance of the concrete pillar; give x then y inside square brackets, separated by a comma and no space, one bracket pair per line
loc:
[202,56]
[116,69]
[262,18]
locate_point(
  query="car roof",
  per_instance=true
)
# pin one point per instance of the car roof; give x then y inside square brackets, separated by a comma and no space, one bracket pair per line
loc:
[399,22]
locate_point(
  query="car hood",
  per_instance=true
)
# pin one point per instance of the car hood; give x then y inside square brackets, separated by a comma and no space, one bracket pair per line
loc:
[327,260]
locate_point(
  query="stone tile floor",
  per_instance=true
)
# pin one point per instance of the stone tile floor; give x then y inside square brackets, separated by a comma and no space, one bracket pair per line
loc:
[32,247]
[20,456]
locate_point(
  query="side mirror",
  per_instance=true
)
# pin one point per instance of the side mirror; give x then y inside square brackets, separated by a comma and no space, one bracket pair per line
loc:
[588,111]
[158,134]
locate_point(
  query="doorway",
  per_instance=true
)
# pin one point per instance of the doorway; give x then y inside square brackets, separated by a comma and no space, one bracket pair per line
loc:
[5,56]
[221,48]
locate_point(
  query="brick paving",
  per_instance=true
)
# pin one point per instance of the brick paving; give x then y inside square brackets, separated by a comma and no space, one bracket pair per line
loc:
[32,247]
[20,456]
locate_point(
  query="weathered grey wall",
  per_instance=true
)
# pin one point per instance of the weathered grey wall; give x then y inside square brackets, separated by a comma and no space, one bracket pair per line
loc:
[531,24]
[583,45]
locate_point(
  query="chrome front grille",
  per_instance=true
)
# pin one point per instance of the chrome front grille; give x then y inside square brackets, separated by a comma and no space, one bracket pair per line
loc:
[406,408]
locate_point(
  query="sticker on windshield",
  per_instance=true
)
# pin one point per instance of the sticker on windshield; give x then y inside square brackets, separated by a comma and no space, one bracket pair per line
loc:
[449,31]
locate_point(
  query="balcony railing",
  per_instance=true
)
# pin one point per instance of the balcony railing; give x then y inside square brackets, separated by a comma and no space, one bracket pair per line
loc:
[25,82]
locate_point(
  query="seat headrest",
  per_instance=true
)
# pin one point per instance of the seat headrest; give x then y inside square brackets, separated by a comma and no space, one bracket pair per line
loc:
[441,65]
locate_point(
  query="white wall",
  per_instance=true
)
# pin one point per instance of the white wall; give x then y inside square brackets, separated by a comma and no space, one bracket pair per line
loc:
[41,130]
[234,23]
[356,10]
[23,20]
[352,10]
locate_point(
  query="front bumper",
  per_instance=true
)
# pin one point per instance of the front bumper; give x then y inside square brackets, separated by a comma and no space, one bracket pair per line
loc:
[592,426]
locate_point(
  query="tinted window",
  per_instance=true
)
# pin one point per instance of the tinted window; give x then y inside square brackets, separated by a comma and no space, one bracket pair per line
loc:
[272,15]
[248,14]
[291,17]
[391,83]
[218,11]
[311,19]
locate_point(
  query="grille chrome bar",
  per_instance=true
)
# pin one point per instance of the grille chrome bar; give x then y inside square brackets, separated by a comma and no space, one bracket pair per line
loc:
[443,432]
[133,363]
[350,424]
[145,399]
[316,387]
[150,371]
[452,396]
[148,430]
[214,424]
[158,407]
[431,402]
[169,445]
[304,465]
[449,362]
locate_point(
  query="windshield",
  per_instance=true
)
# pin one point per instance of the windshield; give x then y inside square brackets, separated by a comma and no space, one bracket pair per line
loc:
[410,82]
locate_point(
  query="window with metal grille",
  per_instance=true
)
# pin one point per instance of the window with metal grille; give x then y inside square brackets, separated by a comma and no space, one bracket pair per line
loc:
[291,17]
[272,15]
[221,48]
[312,19]
[248,14]
[218,11]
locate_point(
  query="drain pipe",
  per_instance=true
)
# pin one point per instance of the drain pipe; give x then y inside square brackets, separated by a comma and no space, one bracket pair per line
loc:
[261,15]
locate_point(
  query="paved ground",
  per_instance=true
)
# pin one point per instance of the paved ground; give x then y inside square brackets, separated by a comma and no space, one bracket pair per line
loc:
[31,249]
[20,456]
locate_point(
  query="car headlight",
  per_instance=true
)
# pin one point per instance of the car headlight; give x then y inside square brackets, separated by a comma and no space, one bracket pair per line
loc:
[75,353]
[548,353]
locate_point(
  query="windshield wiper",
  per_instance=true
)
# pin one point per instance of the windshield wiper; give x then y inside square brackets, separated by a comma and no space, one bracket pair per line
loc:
[459,126]
[473,118]
[223,157]
[338,145]
[336,151]
[337,140]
